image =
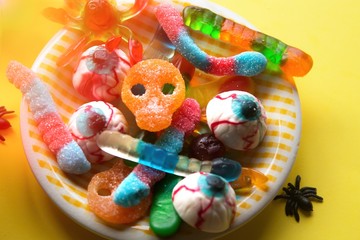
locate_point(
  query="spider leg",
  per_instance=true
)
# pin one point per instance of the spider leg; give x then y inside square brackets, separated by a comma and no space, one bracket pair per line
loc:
[291,186]
[308,192]
[288,207]
[306,189]
[296,213]
[297,182]
[287,191]
[312,195]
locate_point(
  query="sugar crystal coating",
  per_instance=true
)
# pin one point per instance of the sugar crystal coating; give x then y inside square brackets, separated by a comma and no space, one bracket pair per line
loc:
[246,63]
[100,192]
[153,110]
[138,184]
[55,134]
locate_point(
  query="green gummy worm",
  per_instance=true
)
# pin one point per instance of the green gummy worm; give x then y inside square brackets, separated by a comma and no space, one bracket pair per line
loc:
[164,220]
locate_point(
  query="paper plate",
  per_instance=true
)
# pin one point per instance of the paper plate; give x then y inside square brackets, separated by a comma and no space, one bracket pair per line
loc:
[274,157]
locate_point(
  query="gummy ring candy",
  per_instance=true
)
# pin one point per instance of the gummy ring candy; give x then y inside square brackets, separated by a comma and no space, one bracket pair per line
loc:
[153,90]
[100,199]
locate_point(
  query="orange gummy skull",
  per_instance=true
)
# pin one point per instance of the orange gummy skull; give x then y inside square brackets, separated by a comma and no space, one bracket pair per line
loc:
[153,90]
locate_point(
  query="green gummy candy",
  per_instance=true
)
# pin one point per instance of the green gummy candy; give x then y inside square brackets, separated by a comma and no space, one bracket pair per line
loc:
[164,220]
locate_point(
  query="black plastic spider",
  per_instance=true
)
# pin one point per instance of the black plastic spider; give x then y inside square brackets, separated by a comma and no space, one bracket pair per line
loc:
[297,197]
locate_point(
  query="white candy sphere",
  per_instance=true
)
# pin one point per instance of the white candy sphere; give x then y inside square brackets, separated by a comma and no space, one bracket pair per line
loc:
[237,119]
[89,121]
[205,201]
[100,73]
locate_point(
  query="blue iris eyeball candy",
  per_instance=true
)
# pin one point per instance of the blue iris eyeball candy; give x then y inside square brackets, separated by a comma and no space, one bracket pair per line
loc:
[89,120]
[205,201]
[237,119]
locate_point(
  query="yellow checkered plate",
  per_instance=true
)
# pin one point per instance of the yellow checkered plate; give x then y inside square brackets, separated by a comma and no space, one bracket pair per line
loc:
[274,157]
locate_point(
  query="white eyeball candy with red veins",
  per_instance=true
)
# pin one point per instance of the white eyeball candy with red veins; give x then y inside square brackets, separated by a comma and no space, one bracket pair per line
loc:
[100,73]
[205,201]
[89,121]
[237,119]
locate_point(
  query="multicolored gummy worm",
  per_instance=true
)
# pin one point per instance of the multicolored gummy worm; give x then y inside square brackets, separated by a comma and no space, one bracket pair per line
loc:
[281,57]
[249,63]
[53,130]
[138,183]
[136,150]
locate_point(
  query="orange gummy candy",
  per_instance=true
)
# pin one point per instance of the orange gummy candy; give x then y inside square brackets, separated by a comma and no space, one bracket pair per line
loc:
[153,90]
[100,199]
[248,179]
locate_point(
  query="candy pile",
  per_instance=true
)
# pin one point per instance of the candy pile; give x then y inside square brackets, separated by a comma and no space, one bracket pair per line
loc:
[181,170]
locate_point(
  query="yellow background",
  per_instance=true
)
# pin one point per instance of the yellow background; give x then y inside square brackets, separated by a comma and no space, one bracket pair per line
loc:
[329,153]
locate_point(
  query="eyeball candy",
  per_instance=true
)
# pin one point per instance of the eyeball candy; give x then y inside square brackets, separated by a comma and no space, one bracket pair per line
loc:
[237,119]
[100,73]
[89,121]
[205,201]
[142,93]
[100,191]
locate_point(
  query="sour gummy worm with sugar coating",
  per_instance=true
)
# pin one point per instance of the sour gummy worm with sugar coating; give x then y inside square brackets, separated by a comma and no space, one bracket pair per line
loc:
[53,130]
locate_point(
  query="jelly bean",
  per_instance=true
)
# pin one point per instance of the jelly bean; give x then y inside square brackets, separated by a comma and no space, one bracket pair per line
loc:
[206,147]
[281,57]
[245,64]
[152,108]
[100,191]
[54,132]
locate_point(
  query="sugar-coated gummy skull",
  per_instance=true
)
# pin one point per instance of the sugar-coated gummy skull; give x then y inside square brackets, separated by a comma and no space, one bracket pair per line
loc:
[100,73]
[237,118]
[205,201]
[153,90]
[89,121]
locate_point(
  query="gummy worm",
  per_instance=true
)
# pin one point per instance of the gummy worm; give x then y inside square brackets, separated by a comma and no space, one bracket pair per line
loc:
[136,150]
[246,63]
[138,183]
[54,132]
[280,56]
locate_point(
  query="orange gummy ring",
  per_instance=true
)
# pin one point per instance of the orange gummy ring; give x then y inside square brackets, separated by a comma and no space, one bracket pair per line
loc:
[100,199]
